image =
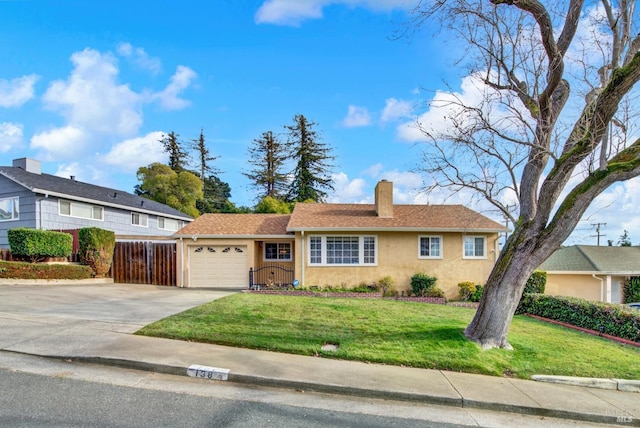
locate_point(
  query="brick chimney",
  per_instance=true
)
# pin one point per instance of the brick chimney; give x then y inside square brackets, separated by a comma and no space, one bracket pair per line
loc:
[384,199]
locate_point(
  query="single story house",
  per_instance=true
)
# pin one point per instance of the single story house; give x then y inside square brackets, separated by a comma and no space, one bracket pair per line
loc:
[591,272]
[340,245]
[30,198]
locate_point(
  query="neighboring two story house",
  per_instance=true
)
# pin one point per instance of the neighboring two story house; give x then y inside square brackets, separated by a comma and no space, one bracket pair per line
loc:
[342,244]
[30,198]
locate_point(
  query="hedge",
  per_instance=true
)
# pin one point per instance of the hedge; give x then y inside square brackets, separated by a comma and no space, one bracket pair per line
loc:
[35,244]
[606,318]
[21,270]
[96,248]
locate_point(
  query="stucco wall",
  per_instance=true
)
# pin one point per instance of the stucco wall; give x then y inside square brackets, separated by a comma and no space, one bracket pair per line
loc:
[573,285]
[398,258]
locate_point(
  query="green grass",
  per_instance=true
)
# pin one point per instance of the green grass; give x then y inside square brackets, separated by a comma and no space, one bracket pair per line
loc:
[396,333]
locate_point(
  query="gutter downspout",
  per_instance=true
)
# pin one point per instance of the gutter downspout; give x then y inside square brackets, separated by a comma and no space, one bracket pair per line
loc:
[302,256]
[181,264]
[601,286]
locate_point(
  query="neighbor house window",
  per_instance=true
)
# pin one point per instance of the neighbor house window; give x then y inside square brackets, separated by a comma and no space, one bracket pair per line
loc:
[277,251]
[343,250]
[169,223]
[474,247]
[430,247]
[9,209]
[79,209]
[138,219]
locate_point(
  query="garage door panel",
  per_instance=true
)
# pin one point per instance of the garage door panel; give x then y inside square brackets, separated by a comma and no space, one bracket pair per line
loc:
[218,266]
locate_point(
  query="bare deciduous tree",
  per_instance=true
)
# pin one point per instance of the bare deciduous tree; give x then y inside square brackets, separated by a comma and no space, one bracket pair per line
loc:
[548,109]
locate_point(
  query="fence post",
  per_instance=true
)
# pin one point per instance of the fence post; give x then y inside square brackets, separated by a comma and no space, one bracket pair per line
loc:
[250,278]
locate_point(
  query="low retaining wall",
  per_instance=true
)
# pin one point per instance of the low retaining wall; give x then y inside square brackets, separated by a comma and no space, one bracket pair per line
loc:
[376,295]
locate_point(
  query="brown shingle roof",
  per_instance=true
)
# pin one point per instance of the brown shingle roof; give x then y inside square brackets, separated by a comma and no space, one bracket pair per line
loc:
[360,216]
[237,224]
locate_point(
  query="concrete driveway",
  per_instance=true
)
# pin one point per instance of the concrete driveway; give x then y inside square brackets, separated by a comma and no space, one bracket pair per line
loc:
[46,319]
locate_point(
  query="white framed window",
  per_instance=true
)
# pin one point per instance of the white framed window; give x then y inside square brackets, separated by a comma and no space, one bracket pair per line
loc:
[169,223]
[9,209]
[277,251]
[343,250]
[138,219]
[475,247]
[430,247]
[79,209]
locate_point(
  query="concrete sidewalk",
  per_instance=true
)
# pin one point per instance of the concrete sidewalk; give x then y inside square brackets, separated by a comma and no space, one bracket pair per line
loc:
[110,341]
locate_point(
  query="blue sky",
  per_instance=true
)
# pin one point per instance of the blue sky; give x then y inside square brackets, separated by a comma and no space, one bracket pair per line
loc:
[88,88]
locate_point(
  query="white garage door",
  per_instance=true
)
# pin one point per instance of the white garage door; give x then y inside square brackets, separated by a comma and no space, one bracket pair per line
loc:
[218,266]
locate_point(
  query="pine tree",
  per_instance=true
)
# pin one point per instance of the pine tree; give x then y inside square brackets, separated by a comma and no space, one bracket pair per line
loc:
[311,176]
[268,156]
[204,157]
[178,157]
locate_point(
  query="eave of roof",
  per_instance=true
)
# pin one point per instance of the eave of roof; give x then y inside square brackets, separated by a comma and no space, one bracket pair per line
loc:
[391,229]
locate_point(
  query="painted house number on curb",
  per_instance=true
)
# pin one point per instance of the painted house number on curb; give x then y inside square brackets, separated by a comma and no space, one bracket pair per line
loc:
[206,372]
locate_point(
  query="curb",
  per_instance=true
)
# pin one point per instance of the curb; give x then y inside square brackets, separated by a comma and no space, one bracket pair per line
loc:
[254,380]
[624,385]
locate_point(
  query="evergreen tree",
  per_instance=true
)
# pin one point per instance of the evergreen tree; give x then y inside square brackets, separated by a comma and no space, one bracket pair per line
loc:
[268,156]
[311,176]
[624,240]
[216,194]
[178,156]
[204,157]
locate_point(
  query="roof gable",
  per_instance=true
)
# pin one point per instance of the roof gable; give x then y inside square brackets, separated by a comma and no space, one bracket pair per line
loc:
[77,190]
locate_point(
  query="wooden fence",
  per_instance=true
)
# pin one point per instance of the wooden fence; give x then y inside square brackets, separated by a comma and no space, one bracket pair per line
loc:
[145,263]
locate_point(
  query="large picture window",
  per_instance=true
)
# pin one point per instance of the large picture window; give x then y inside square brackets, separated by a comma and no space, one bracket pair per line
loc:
[430,247]
[79,209]
[342,250]
[9,209]
[475,247]
[277,251]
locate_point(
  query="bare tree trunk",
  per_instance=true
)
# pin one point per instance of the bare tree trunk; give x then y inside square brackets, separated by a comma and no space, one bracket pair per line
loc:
[502,292]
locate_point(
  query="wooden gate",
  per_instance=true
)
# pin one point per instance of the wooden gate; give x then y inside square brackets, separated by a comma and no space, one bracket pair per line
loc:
[145,263]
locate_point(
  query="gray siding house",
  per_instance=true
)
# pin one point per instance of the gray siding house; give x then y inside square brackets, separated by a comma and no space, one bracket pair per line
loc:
[30,198]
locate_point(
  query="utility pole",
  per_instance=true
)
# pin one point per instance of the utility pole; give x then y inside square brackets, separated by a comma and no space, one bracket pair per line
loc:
[598,234]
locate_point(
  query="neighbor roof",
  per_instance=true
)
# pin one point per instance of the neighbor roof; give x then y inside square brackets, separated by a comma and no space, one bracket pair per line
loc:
[48,184]
[331,217]
[249,225]
[594,259]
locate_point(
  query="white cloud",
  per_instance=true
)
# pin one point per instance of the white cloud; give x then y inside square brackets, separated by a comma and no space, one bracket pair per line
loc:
[395,109]
[60,143]
[131,154]
[10,135]
[16,92]
[348,191]
[169,97]
[373,170]
[357,117]
[92,99]
[293,12]
[140,57]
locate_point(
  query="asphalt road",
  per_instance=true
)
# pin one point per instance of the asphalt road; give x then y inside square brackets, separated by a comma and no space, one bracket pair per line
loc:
[39,392]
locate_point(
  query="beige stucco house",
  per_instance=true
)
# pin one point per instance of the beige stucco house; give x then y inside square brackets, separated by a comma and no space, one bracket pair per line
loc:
[340,245]
[591,272]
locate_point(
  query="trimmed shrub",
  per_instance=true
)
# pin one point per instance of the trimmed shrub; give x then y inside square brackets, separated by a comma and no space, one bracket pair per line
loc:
[477,295]
[35,245]
[96,248]
[631,290]
[536,283]
[607,318]
[467,289]
[434,292]
[21,270]
[422,283]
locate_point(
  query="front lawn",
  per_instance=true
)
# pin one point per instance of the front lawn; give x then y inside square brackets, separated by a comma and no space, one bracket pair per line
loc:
[397,333]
